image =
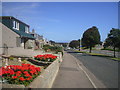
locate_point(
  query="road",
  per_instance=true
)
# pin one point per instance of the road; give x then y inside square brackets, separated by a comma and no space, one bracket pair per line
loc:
[104,69]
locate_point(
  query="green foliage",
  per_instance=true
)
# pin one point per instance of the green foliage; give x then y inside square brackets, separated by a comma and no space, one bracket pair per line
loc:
[110,49]
[11,58]
[74,44]
[55,49]
[24,61]
[46,47]
[113,39]
[91,37]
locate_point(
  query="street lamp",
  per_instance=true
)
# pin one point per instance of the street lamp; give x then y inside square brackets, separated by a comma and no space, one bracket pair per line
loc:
[79,44]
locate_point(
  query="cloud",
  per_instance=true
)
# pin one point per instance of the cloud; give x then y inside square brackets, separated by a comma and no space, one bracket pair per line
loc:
[19,8]
[25,11]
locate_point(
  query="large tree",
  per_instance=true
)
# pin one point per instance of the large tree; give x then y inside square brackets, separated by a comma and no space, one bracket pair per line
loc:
[113,39]
[91,37]
[74,44]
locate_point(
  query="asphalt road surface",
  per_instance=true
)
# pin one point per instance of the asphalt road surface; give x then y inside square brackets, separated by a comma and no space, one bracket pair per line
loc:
[106,70]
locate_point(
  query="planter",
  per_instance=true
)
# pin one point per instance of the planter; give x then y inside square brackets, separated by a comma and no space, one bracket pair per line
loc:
[47,77]
[44,80]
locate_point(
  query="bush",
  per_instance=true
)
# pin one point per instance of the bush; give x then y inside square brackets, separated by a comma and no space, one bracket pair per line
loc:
[46,47]
[55,49]
[11,58]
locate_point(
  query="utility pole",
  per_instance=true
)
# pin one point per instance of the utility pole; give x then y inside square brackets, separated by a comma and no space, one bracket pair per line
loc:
[79,44]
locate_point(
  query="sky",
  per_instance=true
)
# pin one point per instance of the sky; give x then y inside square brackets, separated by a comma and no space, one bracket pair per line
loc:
[64,21]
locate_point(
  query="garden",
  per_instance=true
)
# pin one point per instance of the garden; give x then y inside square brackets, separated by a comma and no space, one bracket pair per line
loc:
[53,49]
[25,71]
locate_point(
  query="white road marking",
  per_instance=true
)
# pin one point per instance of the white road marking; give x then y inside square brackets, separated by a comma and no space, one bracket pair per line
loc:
[87,75]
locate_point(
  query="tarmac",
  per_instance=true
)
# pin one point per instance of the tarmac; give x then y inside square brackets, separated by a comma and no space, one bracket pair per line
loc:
[73,74]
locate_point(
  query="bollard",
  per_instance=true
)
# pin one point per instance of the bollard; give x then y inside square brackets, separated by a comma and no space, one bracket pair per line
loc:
[19,59]
[60,56]
[6,62]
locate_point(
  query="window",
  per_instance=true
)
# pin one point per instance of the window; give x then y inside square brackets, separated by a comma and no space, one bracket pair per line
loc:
[26,29]
[15,25]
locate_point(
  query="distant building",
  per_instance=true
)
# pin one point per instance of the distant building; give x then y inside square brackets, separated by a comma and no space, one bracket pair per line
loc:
[39,40]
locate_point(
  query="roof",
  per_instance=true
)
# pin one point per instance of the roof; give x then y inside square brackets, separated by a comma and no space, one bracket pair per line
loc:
[11,17]
[23,34]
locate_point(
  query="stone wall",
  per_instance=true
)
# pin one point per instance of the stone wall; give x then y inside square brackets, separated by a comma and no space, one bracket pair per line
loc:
[8,39]
[18,51]
[46,79]
[1,39]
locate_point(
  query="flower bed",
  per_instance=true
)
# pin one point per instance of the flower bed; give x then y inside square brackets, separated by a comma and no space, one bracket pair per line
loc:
[16,74]
[46,57]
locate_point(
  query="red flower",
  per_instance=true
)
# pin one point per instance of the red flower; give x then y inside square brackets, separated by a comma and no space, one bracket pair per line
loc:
[19,72]
[21,78]
[27,75]
[23,72]
[32,72]
[28,78]
[14,77]
[11,72]
[45,57]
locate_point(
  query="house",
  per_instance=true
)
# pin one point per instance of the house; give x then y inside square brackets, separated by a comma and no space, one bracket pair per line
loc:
[39,40]
[15,36]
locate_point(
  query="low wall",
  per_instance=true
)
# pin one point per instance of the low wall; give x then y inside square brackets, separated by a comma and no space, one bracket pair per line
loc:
[45,79]
[18,51]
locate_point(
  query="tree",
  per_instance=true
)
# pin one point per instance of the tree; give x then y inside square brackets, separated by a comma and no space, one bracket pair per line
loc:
[74,44]
[91,37]
[64,45]
[52,42]
[113,39]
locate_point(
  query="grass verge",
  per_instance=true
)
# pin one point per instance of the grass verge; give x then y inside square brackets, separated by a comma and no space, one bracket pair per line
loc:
[100,55]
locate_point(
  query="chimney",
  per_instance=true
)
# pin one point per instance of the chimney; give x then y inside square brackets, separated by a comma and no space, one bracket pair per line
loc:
[33,31]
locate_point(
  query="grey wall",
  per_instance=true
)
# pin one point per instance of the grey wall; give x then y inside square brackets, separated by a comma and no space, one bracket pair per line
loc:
[46,79]
[0,38]
[8,38]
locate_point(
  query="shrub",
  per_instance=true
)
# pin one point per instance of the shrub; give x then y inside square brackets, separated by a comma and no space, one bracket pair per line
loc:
[46,47]
[11,58]
[55,49]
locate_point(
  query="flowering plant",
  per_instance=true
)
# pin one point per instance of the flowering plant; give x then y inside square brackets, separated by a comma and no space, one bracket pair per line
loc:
[16,74]
[46,57]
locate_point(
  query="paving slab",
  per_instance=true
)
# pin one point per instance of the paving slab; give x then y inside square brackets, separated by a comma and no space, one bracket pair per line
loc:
[70,75]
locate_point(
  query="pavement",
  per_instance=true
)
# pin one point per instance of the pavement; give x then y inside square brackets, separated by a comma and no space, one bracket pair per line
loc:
[73,74]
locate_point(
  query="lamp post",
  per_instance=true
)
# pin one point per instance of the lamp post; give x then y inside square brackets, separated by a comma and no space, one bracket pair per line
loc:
[79,44]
